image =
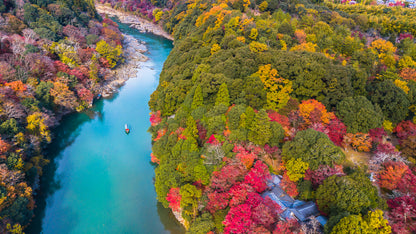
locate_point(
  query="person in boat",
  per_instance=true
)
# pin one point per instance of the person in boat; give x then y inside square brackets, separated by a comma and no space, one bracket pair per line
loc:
[126,128]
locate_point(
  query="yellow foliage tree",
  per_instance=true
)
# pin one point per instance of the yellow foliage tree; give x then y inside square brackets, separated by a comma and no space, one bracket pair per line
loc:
[406,61]
[112,54]
[257,47]
[36,126]
[246,3]
[402,85]
[241,39]
[377,223]
[157,14]
[296,169]
[253,34]
[278,89]
[308,46]
[388,126]
[385,51]
[263,6]
[215,48]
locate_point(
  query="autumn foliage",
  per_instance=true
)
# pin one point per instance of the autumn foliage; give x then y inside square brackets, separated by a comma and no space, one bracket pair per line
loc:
[174,199]
[314,112]
[155,118]
[392,174]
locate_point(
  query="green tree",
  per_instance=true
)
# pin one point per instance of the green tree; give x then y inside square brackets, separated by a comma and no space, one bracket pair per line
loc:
[353,194]
[222,96]
[372,223]
[260,131]
[278,134]
[190,197]
[198,99]
[314,148]
[191,129]
[9,127]
[359,115]
[392,100]
[255,94]
[43,93]
[234,116]
[202,224]
[351,224]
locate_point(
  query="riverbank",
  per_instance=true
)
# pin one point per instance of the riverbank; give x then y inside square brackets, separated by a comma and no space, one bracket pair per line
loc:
[133,53]
[100,179]
[143,25]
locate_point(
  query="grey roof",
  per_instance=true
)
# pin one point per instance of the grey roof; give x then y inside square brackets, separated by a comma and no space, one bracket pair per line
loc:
[306,210]
[280,197]
[291,208]
[273,181]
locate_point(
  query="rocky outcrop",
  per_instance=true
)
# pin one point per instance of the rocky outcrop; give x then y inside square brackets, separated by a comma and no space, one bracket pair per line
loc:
[178,216]
[133,53]
[140,24]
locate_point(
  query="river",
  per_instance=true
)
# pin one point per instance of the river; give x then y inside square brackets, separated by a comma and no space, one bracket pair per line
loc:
[100,180]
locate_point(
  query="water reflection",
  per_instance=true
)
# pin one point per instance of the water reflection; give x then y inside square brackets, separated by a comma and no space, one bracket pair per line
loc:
[64,136]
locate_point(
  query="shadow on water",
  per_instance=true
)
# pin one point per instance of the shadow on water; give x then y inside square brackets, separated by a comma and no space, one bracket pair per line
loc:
[64,135]
[70,128]
[166,216]
[168,220]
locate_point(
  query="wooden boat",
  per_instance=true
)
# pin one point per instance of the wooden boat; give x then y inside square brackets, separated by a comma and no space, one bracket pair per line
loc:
[126,128]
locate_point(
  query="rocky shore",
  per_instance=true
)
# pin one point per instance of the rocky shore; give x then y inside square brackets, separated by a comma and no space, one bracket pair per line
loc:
[133,53]
[136,22]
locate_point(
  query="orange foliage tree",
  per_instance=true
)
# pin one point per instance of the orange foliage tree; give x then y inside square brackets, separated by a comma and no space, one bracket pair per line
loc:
[17,86]
[391,174]
[408,73]
[313,111]
[289,186]
[63,96]
[359,141]
[4,146]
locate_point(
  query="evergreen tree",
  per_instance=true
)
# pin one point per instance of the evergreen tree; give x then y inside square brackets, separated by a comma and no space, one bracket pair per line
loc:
[191,128]
[198,99]
[222,96]
[260,131]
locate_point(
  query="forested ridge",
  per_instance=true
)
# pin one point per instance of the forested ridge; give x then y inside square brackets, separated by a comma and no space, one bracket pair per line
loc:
[55,57]
[319,93]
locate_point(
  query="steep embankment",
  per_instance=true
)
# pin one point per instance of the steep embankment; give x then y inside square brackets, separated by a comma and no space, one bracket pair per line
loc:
[55,58]
[141,24]
[133,52]
[257,87]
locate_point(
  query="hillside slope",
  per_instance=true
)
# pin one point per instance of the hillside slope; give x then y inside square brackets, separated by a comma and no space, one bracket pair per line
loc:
[253,88]
[55,57]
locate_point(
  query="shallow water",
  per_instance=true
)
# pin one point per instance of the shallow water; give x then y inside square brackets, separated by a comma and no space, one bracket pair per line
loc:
[100,180]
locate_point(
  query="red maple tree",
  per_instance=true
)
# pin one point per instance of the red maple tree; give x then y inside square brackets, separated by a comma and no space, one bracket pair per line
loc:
[174,198]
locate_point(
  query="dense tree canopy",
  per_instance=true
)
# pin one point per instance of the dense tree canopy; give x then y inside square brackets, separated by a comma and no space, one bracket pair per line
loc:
[353,194]
[313,147]
[359,114]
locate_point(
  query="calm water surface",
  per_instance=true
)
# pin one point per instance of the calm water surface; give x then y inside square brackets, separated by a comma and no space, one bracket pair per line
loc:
[100,179]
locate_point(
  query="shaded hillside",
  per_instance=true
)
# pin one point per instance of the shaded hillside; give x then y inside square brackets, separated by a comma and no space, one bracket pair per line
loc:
[54,58]
[285,84]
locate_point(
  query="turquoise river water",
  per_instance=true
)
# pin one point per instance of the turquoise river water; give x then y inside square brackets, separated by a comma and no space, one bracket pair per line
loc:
[100,180]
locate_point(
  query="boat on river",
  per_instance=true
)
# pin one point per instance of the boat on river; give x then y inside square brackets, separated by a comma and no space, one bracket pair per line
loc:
[126,128]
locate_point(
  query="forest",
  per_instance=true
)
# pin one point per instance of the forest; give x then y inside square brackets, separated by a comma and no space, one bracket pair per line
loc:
[54,58]
[320,93]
